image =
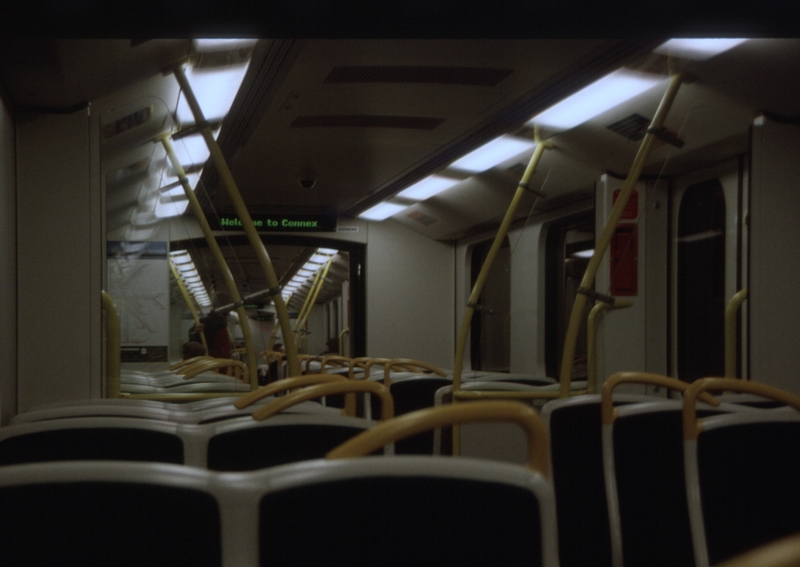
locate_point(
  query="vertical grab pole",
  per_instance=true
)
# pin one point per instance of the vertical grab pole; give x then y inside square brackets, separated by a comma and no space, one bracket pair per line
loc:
[306,301]
[113,348]
[730,331]
[608,232]
[314,293]
[591,339]
[484,273]
[247,222]
[188,299]
[219,258]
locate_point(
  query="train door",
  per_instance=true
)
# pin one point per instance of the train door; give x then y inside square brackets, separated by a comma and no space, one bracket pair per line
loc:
[708,259]
[490,346]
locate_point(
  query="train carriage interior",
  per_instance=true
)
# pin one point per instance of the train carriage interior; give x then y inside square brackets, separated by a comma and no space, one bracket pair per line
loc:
[354,257]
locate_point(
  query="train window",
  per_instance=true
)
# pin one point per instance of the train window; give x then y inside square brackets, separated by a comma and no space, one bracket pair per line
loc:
[490,332]
[701,281]
[567,251]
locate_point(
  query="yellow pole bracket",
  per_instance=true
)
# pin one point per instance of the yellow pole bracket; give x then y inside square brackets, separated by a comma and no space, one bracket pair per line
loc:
[330,389]
[113,347]
[286,384]
[607,412]
[219,259]
[730,331]
[692,426]
[246,220]
[431,418]
[605,237]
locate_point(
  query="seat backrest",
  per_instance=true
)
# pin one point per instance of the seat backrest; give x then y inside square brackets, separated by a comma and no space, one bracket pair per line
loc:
[99,514]
[406,510]
[577,472]
[742,470]
[92,438]
[279,440]
[645,483]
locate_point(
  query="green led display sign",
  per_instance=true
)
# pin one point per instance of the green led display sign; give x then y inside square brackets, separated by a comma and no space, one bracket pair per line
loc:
[280,223]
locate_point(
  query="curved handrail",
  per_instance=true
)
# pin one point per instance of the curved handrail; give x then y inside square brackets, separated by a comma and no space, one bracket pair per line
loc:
[782,553]
[194,370]
[341,387]
[691,425]
[607,411]
[416,365]
[431,418]
[591,338]
[730,331]
[113,347]
[286,384]
[188,361]
[341,339]
[335,360]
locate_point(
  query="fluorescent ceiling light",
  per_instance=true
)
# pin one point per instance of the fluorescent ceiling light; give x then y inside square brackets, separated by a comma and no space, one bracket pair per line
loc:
[173,208]
[305,272]
[222,44]
[382,211]
[699,49]
[604,94]
[428,187]
[584,253]
[318,259]
[191,149]
[215,90]
[490,154]
[328,251]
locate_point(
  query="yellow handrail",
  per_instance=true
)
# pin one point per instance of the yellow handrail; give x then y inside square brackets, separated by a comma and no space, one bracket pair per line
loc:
[286,384]
[607,411]
[691,425]
[188,299]
[341,340]
[605,237]
[410,363]
[431,418]
[181,363]
[591,338]
[314,293]
[730,331]
[306,302]
[782,553]
[246,220]
[219,259]
[194,369]
[343,387]
[113,347]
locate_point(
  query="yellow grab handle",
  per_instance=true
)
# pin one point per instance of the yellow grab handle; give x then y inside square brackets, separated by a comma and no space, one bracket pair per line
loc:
[408,363]
[343,386]
[609,414]
[336,360]
[188,361]
[195,369]
[286,384]
[782,553]
[691,425]
[730,331]
[431,418]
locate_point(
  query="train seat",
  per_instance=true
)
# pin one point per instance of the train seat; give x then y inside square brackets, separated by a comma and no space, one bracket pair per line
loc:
[742,472]
[234,445]
[96,514]
[573,425]
[406,510]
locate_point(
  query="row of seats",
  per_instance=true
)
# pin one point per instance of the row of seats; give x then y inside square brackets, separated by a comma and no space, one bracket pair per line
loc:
[667,483]
[337,511]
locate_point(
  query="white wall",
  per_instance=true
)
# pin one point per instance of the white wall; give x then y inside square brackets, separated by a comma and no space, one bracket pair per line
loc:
[59,262]
[8,268]
[409,286]
[775,264]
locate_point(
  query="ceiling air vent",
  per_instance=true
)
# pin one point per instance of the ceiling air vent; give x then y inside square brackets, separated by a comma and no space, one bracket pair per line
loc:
[421,218]
[424,74]
[367,121]
[634,127]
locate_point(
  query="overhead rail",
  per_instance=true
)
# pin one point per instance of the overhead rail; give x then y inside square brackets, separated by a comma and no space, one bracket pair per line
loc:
[219,258]
[472,303]
[247,223]
[188,299]
[730,331]
[584,291]
[113,347]
[591,337]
